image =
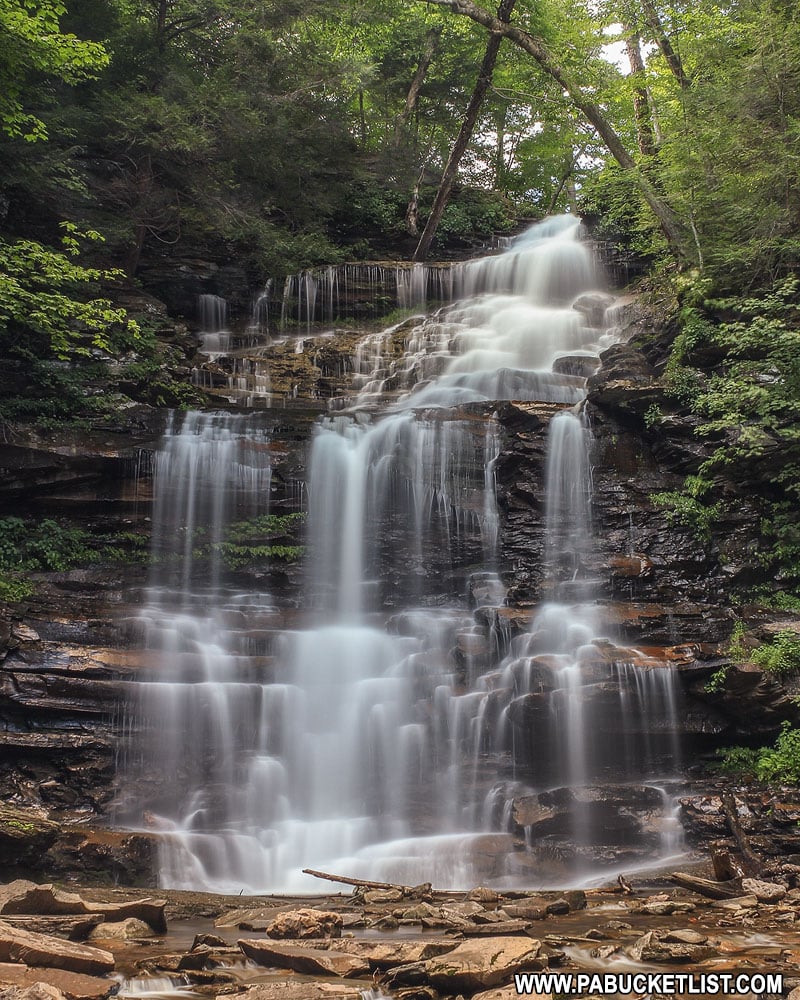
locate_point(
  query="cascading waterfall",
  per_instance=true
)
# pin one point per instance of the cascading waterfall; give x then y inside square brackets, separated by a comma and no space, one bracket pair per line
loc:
[392,744]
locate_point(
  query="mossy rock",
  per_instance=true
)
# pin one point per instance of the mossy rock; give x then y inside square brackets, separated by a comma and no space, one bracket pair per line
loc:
[24,835]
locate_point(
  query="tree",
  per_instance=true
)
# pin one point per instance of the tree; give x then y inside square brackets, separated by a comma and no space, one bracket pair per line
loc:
[31,44]
[464,135]
[581,97]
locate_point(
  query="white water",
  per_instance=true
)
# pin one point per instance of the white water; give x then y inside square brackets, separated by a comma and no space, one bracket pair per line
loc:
[393,751]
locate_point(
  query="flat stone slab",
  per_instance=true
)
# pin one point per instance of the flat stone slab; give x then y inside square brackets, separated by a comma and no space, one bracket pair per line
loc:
[18,945]
[301,991]
[311,961]
[73,985]
[481,963]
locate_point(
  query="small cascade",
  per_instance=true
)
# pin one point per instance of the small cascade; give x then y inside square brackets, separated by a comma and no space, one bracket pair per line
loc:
[215,337]
[386,735]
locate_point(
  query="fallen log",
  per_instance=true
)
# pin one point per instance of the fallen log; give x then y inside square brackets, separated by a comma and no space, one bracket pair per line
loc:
[413,891]
[707,887]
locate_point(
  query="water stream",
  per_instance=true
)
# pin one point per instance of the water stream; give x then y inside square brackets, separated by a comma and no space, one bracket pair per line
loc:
[394,745]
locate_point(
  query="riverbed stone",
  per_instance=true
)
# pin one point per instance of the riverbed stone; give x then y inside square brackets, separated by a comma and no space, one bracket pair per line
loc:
[128,929]
[40,949]
[73,985]
[481,964]
[765,892]
[305,923]
[311,961]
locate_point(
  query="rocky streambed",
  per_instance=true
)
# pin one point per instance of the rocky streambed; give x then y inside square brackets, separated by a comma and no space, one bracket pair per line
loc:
[412,943]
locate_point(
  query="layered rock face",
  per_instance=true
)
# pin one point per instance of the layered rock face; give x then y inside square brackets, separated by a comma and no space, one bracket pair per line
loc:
[72,663]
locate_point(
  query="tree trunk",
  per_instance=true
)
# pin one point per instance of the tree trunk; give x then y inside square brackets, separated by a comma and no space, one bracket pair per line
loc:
[641,103]
[465,134]
[662,40]
[668,221]
[412,98]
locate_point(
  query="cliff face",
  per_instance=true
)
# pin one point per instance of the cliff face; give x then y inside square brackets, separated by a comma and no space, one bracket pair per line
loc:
[68,658]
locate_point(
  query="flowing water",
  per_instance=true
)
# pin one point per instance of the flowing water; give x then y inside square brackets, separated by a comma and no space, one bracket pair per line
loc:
[400,746]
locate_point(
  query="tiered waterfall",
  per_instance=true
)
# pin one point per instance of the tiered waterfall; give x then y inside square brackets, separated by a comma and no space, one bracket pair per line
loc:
[384,735]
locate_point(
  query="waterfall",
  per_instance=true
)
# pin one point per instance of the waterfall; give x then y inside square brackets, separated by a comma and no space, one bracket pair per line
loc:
[383,735]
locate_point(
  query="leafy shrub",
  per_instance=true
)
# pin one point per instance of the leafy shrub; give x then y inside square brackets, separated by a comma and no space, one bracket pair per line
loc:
[782,656]
[778,764]
[688,509]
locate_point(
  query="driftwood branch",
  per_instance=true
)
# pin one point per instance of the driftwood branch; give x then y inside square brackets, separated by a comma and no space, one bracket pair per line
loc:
[707,887]
[361,883]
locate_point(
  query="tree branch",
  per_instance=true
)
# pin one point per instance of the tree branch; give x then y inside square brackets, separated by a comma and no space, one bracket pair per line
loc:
[536,47]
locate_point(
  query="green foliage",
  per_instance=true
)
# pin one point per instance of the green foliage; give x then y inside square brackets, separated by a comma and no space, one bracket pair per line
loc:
[40,299]
[716,681]
[688,509]
[32,46]
[653,416]
[736,647]
[739,760]
[27,547]
[781,763]
[778,764]
[781,656]
[264,525]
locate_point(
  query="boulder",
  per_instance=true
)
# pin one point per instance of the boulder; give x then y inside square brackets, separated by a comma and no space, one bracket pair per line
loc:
[310,961]
[480,964]
[651,947]
[36,991]
[765,892]
[128,929]
[74,985]
[305,923]
[39,949]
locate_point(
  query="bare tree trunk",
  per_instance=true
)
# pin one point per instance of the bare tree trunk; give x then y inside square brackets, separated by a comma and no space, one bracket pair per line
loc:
[641,102]
[662,40]
[500,152]
[412,98]
[464,135]
[670,226]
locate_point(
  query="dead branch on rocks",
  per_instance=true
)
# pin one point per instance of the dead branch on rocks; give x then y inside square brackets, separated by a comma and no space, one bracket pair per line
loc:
[411,891]
[752,863]
[707,887]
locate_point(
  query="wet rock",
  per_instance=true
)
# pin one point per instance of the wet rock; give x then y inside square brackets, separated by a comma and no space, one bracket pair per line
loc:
[383,896]
[39,949]
[73,928]
[651,948]
[37,991]
[593,306]
[306,923]
[686,936]
[480,964]
[23,897]
[736,903]
[765,892]
[412,974]
[665,908]
[73,985]
[483,895]
[300,991]
[210,940]
[582,365]
[121,930]
[504,927]
[389,954]
[310,961]
[25,834]
[509,993]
